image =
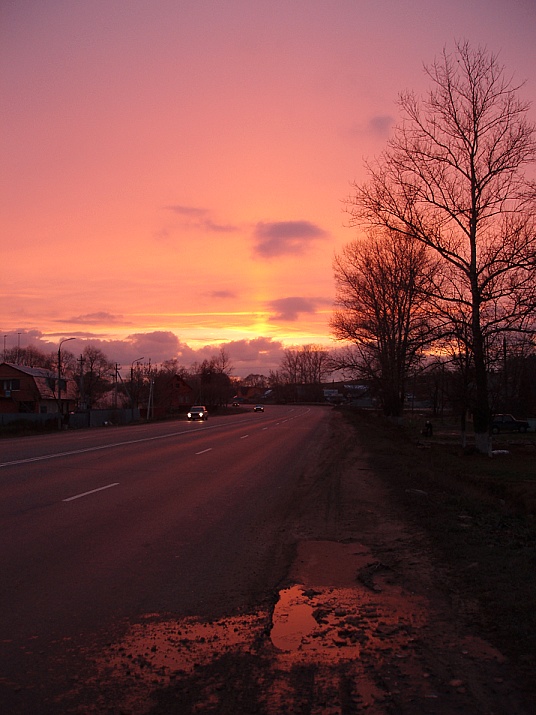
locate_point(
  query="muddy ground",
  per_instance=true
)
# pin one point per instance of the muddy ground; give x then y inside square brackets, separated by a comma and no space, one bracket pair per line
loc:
[389,605]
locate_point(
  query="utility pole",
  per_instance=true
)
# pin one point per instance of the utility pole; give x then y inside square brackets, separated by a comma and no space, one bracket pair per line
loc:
[60,411]
[132,384]
[150,402]
[116,375]
[81,360]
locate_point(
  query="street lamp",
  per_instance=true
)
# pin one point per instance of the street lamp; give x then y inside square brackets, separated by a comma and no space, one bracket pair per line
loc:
[59,380]
[132,383]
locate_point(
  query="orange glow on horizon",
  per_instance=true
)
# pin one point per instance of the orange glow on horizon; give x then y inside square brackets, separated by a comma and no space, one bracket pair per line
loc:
[180,178]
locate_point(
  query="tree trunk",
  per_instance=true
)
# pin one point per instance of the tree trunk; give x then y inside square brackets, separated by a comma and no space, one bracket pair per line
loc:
[481,410]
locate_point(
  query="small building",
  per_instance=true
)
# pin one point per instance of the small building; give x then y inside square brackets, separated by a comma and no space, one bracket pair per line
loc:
[251,393]
[172,395]
[33,390]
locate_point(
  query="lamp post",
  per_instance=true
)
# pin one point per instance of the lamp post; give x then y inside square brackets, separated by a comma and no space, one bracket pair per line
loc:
[60,413]
[132,383]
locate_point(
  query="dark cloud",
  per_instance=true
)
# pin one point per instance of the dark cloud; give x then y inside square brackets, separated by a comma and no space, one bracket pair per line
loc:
[377,126]
[259,355]
[158,346]
[285,237]
[381,124]
[291,307]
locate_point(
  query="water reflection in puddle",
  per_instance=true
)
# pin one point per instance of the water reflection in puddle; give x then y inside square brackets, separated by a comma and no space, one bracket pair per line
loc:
[292,620]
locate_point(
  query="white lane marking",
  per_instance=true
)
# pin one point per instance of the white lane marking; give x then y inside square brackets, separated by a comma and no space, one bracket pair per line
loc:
[99,447]
[244,436]
[85,494]
[114,444]
[204,450]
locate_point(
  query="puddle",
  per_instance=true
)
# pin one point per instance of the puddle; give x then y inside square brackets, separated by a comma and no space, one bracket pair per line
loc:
[292,620]
[346,614]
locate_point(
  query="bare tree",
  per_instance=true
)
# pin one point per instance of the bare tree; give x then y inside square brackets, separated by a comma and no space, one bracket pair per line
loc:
[307,365]
[382,311]
[301,372]
[213,378]
[255,380]
[96,375]
[222,362]
[30,356]
[315,364]
[453,177]
[173,367]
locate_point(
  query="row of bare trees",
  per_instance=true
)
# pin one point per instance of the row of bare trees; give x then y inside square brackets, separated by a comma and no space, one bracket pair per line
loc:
[99,382]
[301,373]
[448,266]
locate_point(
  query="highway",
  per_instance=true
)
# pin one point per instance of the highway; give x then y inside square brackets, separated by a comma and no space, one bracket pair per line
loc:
[100,527]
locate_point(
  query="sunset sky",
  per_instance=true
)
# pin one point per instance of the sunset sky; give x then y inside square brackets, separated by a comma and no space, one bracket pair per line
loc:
[173,172]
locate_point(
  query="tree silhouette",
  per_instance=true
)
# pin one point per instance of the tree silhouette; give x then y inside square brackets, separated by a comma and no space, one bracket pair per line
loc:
[382,311]
[453,177]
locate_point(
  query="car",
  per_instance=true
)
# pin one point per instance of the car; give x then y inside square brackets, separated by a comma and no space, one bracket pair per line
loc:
[258,408]
[198,412]
[508,423]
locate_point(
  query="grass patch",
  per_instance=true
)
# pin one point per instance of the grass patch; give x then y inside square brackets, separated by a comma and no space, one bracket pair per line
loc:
[478,513]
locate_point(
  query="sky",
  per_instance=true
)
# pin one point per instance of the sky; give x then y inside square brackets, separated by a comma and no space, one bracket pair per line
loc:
[173,173]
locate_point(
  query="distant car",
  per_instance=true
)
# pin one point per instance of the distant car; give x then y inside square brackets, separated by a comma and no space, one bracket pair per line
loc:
[236,404]
[258,408]
[508,423]
[198,412]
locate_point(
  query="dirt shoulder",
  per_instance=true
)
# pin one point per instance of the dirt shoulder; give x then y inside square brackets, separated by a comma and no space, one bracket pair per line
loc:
[472,543]
[402,596]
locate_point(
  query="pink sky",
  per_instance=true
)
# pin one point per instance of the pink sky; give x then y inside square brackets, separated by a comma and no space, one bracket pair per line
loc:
[173,172]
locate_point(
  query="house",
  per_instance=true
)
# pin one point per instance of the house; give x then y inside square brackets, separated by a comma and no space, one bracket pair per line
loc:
[33,390]
[250,393]
[172,394]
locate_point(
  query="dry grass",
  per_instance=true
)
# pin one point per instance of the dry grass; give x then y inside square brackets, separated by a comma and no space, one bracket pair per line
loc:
[479,515]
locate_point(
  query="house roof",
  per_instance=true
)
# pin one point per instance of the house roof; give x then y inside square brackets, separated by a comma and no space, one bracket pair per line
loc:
[45,381]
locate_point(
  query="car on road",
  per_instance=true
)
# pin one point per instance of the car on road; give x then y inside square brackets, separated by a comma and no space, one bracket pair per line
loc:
[258,408]
[198,412]
[508,423]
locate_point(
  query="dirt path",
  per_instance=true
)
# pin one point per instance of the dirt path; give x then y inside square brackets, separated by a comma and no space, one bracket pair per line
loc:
[362,623]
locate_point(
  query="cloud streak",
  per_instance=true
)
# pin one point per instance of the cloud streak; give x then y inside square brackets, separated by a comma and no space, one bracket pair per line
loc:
[221,294]
[200,218]
[100,318]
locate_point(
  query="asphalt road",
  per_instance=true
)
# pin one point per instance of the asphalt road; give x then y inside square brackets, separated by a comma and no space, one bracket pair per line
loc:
[99,527]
